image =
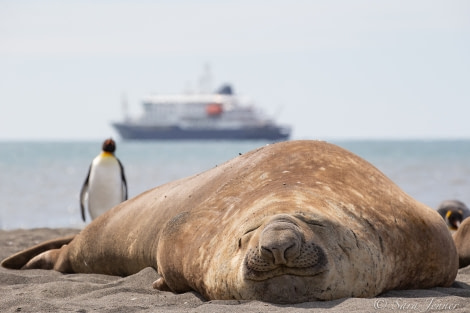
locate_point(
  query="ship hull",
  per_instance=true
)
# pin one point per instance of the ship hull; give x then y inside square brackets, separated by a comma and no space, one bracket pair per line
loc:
[136,132]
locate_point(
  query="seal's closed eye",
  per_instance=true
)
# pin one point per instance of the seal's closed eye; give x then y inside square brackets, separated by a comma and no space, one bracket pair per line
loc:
[311,220]
[246,236]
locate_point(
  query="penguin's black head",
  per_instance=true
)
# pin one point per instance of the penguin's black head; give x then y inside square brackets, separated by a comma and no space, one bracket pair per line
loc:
[454,218]
[109,145]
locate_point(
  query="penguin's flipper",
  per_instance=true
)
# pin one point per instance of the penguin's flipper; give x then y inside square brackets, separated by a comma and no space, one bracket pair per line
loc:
[44,255]
[83,193]
[123,179]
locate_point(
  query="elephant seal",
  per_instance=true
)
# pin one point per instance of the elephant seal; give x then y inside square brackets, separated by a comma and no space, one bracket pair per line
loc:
[462,243]
[287,223]
[453,212]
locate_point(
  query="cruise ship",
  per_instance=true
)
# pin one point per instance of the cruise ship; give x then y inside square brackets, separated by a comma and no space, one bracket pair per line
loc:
[206,116]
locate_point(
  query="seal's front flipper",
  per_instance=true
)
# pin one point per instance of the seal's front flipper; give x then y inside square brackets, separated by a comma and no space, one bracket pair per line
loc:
[43,255]
[161,285]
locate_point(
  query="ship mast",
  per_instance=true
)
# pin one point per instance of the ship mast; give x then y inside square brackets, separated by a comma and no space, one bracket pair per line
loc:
[124,106]
[205,80]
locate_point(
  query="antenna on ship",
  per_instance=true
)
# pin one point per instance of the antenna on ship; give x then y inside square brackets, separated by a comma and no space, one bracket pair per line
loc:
[205,80]
[124,106]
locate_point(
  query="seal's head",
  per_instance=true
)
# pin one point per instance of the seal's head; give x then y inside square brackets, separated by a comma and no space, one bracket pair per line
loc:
[282,257]
[278,258]
[274,252]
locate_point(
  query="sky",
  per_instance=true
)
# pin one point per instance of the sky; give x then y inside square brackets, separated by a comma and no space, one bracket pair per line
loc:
[332,69]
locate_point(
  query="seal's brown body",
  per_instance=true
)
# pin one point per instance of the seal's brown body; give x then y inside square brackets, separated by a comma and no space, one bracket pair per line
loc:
[462,243]
[290,222]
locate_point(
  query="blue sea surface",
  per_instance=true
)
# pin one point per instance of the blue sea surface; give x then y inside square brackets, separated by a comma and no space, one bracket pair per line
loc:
[40,181]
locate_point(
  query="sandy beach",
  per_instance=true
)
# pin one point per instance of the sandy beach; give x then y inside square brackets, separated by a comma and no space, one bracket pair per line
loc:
[50,291]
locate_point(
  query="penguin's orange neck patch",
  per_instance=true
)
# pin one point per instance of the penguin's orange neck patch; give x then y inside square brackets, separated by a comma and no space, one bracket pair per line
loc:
[106,154]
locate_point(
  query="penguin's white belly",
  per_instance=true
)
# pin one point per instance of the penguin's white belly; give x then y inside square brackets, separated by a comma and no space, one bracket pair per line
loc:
[105,187]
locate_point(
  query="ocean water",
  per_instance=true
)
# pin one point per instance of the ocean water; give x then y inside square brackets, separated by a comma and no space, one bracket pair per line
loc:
[40,181]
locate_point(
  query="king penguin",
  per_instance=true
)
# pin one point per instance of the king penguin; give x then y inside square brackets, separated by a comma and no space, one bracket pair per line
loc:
[453,212]
[105,185]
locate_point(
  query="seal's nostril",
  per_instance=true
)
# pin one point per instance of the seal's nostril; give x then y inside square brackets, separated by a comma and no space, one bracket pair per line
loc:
[293,251]
[275,255]
[280,246]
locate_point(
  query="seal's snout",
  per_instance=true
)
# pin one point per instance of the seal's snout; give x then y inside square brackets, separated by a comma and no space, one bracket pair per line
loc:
[280,243]
[281,248]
